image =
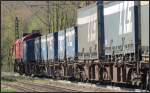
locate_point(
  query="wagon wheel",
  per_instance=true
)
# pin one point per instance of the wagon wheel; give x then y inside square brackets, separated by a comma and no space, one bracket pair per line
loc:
[105,74]
[71,73]
[77,73]
[83,76]
[21,70]
[29,69]
[147,81]
[32,70]
[15,67]
[58,72]
[49,71]
[37,70]
[61,73]
[18,70]
[133,77]
[45,71]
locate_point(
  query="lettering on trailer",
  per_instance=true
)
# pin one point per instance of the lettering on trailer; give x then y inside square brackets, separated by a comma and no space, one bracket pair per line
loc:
[127,19]
[69,37]
[126,24]
[61,39]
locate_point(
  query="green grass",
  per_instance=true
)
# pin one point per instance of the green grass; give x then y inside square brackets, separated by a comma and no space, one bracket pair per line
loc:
[8,90]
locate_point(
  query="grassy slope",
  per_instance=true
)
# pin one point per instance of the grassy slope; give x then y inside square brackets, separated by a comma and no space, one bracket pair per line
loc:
[7,90]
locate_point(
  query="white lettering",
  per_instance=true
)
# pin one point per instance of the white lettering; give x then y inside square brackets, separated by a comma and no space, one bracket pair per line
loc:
[125,26]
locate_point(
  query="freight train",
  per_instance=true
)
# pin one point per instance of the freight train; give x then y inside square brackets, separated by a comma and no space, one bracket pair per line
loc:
[110,43]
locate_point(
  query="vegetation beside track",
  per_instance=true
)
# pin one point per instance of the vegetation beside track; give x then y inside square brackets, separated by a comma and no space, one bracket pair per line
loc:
[7,89]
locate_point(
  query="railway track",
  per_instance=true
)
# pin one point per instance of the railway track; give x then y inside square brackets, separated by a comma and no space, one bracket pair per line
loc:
[120,86]
[28,85]
[46,88]
[51,88]
[19,88]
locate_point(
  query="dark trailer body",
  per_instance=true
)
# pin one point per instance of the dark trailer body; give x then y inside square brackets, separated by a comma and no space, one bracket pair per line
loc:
[28,49]
[90,31]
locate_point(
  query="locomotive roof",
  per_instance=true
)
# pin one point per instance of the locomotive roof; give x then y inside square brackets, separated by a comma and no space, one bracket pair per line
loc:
[30,36]
[17,41]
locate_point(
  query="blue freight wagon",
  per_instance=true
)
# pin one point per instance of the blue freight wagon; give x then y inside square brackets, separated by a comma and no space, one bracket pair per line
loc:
[61,45]
[29,54]
[37,49]
[55,46]
[44,51]
[71,43]
[50,43]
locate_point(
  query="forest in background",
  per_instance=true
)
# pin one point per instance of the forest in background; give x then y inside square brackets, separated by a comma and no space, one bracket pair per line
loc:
[45,16]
